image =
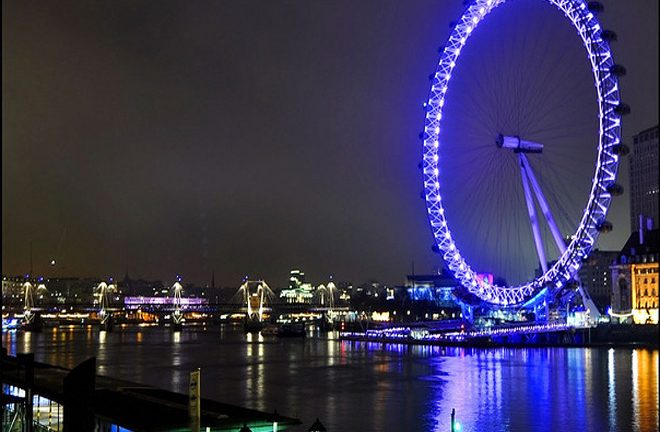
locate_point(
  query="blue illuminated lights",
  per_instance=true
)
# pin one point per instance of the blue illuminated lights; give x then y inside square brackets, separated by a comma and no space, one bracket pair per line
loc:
[583,240]
[423,335]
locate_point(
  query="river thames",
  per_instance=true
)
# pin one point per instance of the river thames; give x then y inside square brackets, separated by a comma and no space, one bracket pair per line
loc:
[372,386]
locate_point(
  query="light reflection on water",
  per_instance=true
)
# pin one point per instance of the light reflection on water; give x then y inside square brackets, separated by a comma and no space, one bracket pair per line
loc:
[645,365]
[101,356]
[611,389]
[635,384]
[375,386]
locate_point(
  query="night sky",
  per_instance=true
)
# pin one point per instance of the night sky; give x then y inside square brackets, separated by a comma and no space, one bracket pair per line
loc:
[238,137]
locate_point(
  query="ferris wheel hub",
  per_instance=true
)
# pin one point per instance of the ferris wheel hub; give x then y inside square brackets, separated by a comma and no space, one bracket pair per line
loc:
[518,145]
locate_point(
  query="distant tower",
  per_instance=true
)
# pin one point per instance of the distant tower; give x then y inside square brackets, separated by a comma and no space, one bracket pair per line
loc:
[644,187]
[177,316]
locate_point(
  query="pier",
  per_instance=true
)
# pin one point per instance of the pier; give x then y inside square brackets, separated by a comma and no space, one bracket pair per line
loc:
[529,335]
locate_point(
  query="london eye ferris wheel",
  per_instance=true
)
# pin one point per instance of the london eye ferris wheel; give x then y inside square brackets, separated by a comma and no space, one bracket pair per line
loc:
[521,145]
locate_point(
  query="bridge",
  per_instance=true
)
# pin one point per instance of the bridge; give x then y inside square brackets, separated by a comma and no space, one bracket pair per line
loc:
[255,305]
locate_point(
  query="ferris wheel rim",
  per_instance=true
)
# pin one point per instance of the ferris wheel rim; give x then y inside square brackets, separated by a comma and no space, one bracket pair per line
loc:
[593,215]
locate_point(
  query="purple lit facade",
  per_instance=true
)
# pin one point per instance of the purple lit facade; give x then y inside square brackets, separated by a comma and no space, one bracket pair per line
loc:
[139,301]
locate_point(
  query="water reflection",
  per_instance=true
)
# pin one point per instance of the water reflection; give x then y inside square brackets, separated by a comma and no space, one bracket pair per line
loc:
[611,389]
[375,386]
[9,341]
[27,342]
[635,389]
[176,349]
[101,356]
[474,389]
[645,389]
[255,369]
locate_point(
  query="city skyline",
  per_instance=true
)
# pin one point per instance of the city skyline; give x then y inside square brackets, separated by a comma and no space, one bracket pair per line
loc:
[250,215]
[152,140]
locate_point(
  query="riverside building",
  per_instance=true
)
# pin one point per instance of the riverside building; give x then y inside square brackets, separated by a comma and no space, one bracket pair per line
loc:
[595,275]
[644,185]
[634,294]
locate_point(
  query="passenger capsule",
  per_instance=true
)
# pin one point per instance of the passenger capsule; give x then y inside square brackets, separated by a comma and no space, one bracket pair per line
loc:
[435,248]
[618,70]
[620,149]
[595,7]
[614,189]
[622,109]
[608,35]
[605,227]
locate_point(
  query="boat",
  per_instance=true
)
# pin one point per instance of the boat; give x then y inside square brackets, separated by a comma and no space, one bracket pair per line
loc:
[270,330]
[253,326]
[296,329]
[10,324]
[326,325]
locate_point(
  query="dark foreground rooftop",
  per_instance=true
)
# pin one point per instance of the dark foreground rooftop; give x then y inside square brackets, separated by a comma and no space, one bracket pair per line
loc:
[139,407]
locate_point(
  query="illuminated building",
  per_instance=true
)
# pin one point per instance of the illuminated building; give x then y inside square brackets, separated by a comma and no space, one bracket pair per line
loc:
[345,291]
[140,301]
[296,279]
[298,290]
[634,294]
[373,288]
[644,290]
[644,187]
[59,289]
[437,288]
[12,289]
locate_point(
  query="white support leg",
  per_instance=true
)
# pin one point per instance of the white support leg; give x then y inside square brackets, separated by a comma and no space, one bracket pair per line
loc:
[545,208]
[559,241]
[532,216]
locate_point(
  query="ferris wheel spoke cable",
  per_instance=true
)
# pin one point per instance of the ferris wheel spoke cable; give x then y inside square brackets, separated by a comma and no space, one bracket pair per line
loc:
[545,120]
[493,205]
[491,193]
[555,191]
[554,188]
